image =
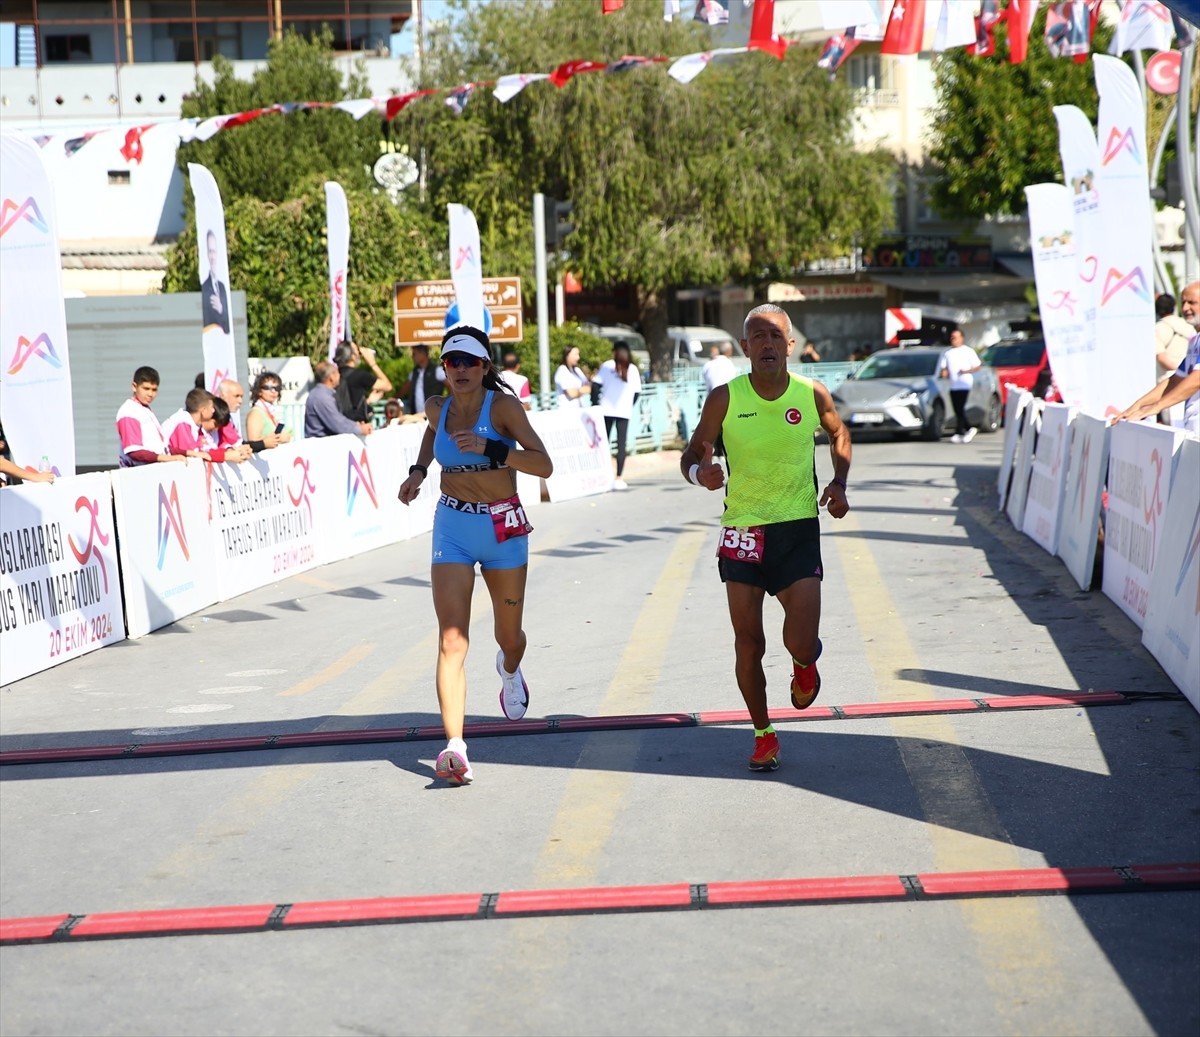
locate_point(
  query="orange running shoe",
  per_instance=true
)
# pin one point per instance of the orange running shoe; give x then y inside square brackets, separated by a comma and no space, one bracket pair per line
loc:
[766,752]
[806,682]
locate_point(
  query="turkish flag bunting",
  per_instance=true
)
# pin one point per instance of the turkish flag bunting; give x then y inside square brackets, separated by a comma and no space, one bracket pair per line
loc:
[905,28]
[762,30]
[132,150]
[1020,21]
[560,76]
[395,105]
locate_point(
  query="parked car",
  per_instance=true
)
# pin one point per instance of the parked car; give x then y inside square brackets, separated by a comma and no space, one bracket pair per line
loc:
[1023,362]
[690,345]
[623,333]
[898,390]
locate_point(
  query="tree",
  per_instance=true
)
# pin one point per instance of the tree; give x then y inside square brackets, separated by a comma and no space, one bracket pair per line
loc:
[739,176]
[269,157]
[994,132]
[277,253]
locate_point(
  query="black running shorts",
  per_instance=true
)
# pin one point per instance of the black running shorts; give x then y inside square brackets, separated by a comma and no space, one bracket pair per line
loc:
[791,552]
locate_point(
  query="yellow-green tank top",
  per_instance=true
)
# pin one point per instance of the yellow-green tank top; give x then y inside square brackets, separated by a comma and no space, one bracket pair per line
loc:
[769,452]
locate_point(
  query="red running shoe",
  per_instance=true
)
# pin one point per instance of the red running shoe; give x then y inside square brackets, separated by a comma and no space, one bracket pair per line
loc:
[806,682]
[766,753]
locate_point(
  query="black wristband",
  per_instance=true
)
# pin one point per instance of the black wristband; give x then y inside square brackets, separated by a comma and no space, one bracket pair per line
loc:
[257,445]
[495,451]
[840,482]
[419,468]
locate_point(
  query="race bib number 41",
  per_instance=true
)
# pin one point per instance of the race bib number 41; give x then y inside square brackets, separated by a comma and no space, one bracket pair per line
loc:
[508,519]
[741,543]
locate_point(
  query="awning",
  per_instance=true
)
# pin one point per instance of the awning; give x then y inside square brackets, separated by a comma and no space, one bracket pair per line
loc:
[1022,266]
[956,288]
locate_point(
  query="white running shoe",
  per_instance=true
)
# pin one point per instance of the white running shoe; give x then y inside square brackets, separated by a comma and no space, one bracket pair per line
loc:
[970,434]
[514,692]
[956,438]
[452,763]
[620,484]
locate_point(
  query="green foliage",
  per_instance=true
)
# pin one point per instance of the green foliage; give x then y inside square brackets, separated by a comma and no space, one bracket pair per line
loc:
[278,255]
[738,176]
[995,131]
[593,351]
[270,157]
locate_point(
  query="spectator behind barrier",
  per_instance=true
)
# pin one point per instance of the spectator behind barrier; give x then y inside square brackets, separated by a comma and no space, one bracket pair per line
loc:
[211,430]
[142,439]
[264,429]
[321,414]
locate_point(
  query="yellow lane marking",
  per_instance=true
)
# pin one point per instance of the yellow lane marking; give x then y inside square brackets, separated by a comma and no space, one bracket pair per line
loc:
[1015,948]
[335,669]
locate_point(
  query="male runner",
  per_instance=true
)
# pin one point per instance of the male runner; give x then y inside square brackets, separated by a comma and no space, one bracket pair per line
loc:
[770,535]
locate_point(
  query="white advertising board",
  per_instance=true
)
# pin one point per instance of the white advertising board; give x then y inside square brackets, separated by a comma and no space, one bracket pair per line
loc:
[1016,404]
[1079,523]
[1140,460]
[576,441]
[1172,630]
[1048,479]
[60,586]
[166,543]
[1018,491]
[262,514]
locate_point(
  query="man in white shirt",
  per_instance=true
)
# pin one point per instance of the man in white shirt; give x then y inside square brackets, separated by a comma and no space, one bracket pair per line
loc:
[959,363]
[719,370]
[517,382]
[1171,390]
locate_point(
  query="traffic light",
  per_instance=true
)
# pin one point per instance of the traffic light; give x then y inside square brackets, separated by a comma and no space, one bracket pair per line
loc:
[557,226]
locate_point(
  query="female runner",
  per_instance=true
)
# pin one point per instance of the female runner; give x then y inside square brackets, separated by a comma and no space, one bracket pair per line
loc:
[474,434]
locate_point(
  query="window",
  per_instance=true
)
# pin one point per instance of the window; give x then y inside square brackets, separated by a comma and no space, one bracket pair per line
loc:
[68,48]
[863,72]
[118,178]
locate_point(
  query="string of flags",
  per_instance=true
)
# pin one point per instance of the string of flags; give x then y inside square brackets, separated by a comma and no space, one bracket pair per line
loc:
[903,27]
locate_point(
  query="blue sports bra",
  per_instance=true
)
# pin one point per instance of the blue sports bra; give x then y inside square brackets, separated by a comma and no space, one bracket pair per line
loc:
[454,460]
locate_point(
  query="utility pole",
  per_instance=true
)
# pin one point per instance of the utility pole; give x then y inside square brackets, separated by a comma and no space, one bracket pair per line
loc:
[543,306]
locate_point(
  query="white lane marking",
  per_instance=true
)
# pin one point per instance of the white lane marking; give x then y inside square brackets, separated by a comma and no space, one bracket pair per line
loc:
[203,707]
[230,689]
[254,673]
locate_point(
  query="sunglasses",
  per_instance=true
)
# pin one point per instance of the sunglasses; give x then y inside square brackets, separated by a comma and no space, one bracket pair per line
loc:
[272,388]
[462,360]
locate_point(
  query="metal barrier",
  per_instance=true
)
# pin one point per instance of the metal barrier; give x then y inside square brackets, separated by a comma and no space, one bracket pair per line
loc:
[664,416]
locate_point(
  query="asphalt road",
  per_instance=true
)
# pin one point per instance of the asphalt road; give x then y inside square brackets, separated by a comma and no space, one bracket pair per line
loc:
[929,595]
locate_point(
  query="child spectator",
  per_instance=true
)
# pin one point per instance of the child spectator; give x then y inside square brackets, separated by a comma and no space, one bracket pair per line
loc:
[183,428]
[142,440]
[212,436]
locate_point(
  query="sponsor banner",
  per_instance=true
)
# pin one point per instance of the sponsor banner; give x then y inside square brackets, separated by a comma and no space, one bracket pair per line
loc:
[1048,479]
[466,266]
[215,297]
[1139,485]
[1018,491]
[337,231]
[166,543]
[1172,630]
[782,292]
[1080,160]
[1125,314]
[60,585]
[1079,522]
[576,442]
[1016,404]
[1060,302]
[35,369]
[263,517]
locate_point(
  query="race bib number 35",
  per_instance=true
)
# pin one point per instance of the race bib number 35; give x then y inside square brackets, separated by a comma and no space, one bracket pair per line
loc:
[741,543]
[509,520]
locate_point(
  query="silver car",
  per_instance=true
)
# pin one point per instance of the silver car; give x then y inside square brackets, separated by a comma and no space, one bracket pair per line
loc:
[898,390]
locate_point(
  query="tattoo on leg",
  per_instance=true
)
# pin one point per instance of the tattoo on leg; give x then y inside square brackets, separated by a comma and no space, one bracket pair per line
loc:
[512,601]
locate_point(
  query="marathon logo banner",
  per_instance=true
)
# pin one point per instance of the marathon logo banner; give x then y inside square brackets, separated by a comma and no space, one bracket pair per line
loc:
[1048,479]
[262,515]
[1172,630]
[577,442]
[1141,459]
[1086,470]
[166,543]
[60,588]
